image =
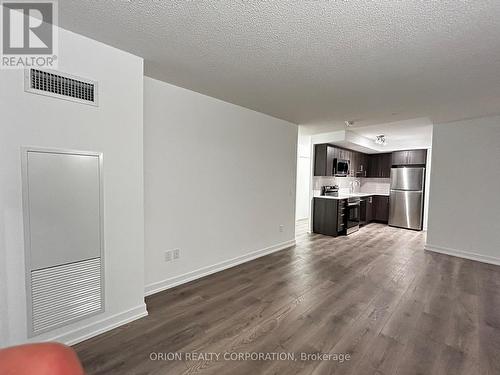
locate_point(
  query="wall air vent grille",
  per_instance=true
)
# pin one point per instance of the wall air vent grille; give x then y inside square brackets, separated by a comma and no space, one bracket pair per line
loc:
[61,85]
[65,293]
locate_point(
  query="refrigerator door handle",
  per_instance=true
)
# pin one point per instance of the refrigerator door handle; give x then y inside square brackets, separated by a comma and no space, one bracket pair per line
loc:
[412,191]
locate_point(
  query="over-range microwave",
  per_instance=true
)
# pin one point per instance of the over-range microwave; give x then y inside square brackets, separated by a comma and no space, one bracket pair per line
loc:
[340,167]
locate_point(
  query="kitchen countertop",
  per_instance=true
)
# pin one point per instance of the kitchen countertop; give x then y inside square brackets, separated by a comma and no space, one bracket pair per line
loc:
[345,196]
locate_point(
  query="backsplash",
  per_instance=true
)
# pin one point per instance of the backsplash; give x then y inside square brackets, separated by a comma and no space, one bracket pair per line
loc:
[376,185]
[368,185]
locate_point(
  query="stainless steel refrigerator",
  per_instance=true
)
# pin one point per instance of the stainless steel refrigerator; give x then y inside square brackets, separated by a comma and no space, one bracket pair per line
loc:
[406,203]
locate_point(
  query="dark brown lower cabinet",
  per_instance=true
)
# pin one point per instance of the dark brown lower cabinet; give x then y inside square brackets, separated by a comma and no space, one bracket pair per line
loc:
[365,210]
[369,209]
[328,216]
[381,208]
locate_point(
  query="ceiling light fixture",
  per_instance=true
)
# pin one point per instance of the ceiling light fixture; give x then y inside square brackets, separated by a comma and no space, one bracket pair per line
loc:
[380,140]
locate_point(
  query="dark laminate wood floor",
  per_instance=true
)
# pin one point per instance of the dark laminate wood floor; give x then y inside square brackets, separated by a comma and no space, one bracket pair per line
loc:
[375,294]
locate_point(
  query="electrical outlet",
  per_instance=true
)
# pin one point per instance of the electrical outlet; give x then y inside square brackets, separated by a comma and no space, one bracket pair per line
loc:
[177,253]
[168,256]
[282,227]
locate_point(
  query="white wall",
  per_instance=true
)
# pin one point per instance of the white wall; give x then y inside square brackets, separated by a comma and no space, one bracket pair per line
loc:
[219,180]
[464,214]
[302,205]
[114,128]
[428,174]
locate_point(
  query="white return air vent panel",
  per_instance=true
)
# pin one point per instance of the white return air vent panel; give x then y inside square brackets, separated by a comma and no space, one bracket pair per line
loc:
[63,232]
[65,293]
[61,85]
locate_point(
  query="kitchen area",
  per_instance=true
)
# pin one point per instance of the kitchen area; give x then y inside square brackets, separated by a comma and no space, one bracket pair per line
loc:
[352,189]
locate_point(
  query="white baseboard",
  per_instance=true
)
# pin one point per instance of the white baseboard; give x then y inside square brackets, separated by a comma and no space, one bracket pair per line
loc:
[86,332]
[463,254]
[205,271]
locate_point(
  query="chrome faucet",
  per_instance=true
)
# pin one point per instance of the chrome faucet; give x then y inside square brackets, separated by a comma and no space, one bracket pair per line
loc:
[353,185]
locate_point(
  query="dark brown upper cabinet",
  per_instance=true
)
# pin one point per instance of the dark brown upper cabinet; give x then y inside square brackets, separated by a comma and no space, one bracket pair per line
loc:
[409,157]
[323,160]
[379,165]
[359,164]
[362,170]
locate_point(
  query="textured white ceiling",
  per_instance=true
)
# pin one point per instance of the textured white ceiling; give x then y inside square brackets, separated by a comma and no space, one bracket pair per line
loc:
[313,62]
[400,135]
